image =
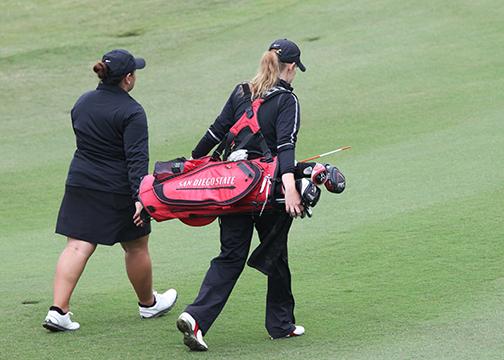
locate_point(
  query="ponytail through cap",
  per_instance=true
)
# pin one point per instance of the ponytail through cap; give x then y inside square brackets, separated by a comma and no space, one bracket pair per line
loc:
[267,75]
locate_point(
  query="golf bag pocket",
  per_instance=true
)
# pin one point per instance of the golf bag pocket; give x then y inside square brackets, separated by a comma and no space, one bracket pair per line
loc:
[164,170]
[212,189]
[214,184]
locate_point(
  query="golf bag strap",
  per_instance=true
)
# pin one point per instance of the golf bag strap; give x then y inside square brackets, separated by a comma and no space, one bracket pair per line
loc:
[268,157]
[247,120]
[223,148]
[246,90]
[266,152]
[225,144]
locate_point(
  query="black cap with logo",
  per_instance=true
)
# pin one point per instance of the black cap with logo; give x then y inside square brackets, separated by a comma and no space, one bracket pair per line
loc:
[120,63]
[288,52]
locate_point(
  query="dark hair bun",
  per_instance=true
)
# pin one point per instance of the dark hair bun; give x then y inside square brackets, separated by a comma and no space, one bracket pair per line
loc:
[101,69]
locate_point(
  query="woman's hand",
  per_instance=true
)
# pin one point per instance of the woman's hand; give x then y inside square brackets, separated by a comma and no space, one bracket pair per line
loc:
[293,204]
[136,218]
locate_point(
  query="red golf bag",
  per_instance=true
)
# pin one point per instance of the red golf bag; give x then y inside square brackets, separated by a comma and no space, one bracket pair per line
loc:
[197,191]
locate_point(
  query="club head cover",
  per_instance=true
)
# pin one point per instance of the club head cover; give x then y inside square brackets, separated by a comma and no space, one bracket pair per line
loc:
[310,193]
[307,212]
[237,155]
[302,170]
[319,174]
[335,182]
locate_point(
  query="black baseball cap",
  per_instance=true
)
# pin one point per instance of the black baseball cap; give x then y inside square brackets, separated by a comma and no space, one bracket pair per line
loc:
[120,62]
[288,52]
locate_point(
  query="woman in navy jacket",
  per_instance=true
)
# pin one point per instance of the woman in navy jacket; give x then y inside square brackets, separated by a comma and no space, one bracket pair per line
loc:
[279,121]
[99,204]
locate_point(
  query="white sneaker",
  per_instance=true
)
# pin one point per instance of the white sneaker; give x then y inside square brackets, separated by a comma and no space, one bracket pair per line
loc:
[164,303]
[298,331]
[54,321]
[193,337]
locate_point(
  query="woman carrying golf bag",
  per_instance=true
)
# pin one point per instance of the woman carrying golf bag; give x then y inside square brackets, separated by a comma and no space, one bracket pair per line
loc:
[279,122]
[99,203]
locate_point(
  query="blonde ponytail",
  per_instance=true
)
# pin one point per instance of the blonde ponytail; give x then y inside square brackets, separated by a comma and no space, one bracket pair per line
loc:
[267,75]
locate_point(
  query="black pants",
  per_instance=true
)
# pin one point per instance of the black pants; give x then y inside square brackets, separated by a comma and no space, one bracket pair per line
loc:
[235,236]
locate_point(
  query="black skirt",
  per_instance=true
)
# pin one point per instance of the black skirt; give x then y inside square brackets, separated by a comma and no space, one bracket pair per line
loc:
[98,217]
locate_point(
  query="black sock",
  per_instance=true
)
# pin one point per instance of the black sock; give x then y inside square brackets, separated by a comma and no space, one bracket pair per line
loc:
[58,310]
[146,306]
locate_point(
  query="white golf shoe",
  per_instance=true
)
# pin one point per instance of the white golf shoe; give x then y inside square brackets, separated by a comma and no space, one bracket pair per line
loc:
[193,337]
[298,331]
[164,303]
[54,321]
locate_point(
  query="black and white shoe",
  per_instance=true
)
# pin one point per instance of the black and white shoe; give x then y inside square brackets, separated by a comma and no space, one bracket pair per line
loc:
[54,321]
[164,303]
[193,337]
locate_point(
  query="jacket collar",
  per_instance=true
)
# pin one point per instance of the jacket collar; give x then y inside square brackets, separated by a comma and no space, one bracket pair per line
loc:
[112,88]
[284,84]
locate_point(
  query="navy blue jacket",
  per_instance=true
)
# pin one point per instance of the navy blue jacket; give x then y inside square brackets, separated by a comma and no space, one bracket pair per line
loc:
[112,143]
[278,117]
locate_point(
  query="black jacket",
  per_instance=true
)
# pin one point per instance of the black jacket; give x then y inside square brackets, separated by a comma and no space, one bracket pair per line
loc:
[278,118]
[112,142]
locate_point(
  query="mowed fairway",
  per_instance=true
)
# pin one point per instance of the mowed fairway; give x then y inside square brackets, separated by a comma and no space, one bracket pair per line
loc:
[408,263]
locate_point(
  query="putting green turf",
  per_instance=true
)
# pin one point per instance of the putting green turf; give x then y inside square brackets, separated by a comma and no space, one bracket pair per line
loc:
[406,264]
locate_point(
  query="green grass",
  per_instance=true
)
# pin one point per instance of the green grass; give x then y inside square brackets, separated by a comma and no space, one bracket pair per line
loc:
[406,264]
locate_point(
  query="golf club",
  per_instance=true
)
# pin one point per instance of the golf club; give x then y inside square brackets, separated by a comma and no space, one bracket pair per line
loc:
[327,153]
